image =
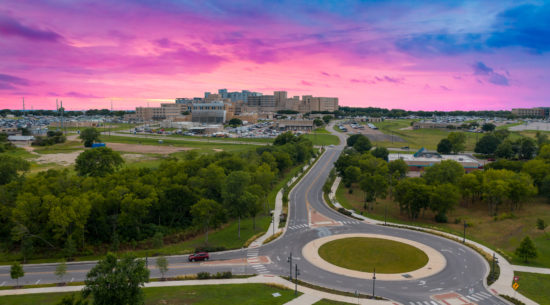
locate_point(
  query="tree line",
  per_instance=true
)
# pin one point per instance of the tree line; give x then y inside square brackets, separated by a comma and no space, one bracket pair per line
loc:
[445,184]
[57,209]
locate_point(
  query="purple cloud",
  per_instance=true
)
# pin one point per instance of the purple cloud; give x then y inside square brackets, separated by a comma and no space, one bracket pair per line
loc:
[305,83]
[493,77]
[361,81]
[389,79]
[11,27]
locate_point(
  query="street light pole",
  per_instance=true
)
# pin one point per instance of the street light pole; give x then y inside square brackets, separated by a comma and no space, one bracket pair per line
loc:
[373,282]
[289,260]
[385,213]
[273,221]
[296,273]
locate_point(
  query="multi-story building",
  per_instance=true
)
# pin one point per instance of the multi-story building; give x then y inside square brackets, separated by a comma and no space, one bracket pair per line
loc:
[209,113]
[262,103]
[531,112]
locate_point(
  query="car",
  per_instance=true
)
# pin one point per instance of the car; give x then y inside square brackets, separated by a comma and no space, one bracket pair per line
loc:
[331,145]
[199,256]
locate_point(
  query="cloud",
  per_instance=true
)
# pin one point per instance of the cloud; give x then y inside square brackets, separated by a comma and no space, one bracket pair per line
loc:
[12,27]
[491,76]
[389,79]
[361,81]
[80,95]
[444,88]
[440,44]
[525,26]
[306,83]
[325,74]
[10,82]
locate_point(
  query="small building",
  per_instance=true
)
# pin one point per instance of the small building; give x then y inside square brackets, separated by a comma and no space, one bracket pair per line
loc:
[295,125]
[421,159]
[21,139]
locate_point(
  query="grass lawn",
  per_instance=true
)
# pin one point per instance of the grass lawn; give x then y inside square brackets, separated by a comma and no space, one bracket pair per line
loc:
[424,137]
[202,146]
[204,295]
[336,128]
[534,286]
[321,130]
[503,234]
[322,139]
[361,253]
[330,302]
[61,148]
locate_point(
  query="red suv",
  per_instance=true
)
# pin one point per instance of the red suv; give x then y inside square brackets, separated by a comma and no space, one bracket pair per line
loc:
[200,256]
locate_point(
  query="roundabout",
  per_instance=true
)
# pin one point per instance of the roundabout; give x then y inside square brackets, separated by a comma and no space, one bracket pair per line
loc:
[357,254]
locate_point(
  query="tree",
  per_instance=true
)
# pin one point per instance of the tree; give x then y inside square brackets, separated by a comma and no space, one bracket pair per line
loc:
[16,272]
[487,127]
[350,141]
[234,189]
[541,225]
[234,122]
[162,265]
[318,122]
[398,166]
[206,212]
[69,250]
[374,186]
[537,169]
[158,240]
[61,270]
[446,171]
[444,147]
[526,249]
[89,136]
[458,140]
[380,152]
[362,144]
[98,162]
[72,300]
[487,144]
[10,166]
[351,175]
[327,118]
[527,148]
[443,198]
[117,282]
[413,196]
[505,150]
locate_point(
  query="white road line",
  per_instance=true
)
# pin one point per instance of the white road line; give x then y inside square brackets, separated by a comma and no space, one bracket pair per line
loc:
[479,295]
[485,294]
[419,303]
[72,279]
[411,303]
[4,282]
[426,303]
[473,298]
[278,258]
[37,282]
[434,303]
[462,250]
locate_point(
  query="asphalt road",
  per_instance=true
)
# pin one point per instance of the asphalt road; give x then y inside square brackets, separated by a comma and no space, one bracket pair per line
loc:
[463,274]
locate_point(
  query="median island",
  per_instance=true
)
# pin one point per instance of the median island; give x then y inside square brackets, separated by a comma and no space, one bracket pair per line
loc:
[363,254]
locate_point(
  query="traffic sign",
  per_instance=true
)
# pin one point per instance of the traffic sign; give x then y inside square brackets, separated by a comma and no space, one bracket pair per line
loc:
[516,278]
[515,286]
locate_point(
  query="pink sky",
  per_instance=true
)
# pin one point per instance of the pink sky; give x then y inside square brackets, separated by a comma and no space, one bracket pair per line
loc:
[420,56]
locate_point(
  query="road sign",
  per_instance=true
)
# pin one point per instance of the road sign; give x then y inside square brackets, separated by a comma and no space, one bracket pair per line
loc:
[515,286]
[516,278]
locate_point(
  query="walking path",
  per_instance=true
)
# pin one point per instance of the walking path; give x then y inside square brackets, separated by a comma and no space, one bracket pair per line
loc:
[311,297]
[504,283]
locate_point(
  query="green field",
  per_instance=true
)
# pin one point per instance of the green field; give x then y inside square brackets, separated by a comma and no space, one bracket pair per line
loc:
[204,295]
[321,130]
[415,139]
[320,139]
[364,254]
[535,286]
[503,233]
[206,139]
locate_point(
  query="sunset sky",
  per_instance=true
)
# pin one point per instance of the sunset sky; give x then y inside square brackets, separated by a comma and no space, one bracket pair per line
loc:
[416,55]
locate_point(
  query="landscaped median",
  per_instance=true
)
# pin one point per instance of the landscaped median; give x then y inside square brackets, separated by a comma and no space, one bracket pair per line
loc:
[357,255]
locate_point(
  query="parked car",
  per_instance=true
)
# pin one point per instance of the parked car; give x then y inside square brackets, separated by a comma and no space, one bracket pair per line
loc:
[200,256]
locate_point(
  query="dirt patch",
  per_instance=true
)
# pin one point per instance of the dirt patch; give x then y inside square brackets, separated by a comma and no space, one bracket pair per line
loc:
[61,159]
[146,149]
[217,150]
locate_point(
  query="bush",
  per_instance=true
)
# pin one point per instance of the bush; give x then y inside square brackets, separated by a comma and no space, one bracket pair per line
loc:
[511,299]
[344,211]
[442,218]
[209,249]
[203,275]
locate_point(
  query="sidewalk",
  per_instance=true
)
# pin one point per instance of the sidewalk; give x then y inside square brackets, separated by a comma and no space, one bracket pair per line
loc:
[277,212]
[504,283]
[311,297]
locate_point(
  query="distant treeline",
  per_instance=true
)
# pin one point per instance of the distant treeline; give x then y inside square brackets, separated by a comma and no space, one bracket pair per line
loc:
[395,113]
[5,112]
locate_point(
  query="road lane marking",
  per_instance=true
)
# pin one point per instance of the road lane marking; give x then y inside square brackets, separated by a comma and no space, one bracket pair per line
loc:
[37,282]
[4,282]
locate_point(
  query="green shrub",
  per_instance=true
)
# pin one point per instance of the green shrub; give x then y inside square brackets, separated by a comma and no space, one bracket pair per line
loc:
[203,275]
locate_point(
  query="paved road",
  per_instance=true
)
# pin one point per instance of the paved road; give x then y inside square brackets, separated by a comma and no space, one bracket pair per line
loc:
[463,274]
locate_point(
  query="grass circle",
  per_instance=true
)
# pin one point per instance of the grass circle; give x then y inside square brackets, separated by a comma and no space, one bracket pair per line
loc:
[365,253]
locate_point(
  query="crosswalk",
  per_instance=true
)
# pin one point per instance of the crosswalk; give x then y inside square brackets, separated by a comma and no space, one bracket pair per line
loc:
[476,297]
[424,303]
[298,227]
[254,261]
[349,222]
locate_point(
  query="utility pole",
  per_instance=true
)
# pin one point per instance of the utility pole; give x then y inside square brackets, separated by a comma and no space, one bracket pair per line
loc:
[289,260]
[296,273]
[495,260]
[373,282]
[62,110]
